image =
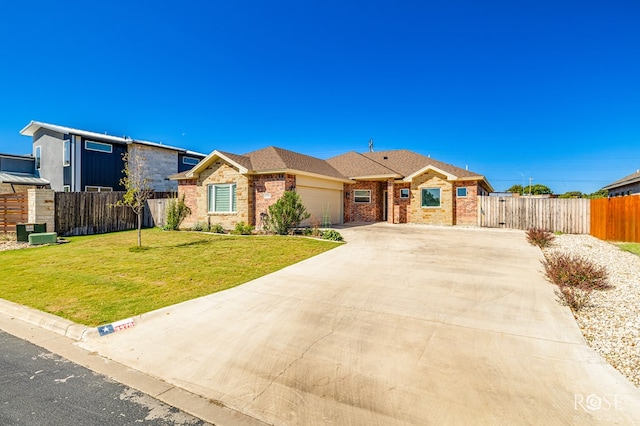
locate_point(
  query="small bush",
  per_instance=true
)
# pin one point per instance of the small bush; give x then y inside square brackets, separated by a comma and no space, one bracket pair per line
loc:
[198,226]
[286,214]
[331,235]
[216,228]
[540,237]
[243,229]
[177,211]
[576,277]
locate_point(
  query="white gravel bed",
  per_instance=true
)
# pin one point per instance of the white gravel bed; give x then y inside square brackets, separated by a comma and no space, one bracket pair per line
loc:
[13,245]
[610,322]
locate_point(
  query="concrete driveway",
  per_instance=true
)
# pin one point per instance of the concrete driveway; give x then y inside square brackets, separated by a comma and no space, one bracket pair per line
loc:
[404,325]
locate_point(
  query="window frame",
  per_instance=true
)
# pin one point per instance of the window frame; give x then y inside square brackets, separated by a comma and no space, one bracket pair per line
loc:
[366,197]
[66,188]
[211,198]
[422,198]
[405,193]
[458,192]
[38,157]
[97,145]
[96,188]
[184,161]
[66,153]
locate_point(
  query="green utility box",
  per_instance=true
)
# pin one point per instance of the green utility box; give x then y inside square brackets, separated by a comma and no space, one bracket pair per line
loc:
[43,238]
[24,229]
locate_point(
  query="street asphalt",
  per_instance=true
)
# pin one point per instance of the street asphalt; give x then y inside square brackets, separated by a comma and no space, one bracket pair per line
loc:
[403,325]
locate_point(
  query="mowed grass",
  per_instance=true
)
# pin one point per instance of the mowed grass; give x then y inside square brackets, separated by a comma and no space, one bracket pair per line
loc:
[630,247]
[99,279]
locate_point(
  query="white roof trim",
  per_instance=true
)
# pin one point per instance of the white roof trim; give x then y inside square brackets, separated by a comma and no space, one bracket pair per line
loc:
[428,168]
[31,128]
[205,162]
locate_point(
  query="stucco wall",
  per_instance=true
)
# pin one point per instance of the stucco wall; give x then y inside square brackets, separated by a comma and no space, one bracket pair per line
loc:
[51,147]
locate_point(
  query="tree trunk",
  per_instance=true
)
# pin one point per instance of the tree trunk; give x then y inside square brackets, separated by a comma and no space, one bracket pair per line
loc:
[140,229]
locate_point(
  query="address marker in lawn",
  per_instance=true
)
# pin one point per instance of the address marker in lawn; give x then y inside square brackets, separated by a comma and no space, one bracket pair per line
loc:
[116,326]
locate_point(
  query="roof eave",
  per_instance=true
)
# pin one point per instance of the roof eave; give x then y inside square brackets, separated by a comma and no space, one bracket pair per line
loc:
[301,172]
[426,169]
[377,177]
[206,162]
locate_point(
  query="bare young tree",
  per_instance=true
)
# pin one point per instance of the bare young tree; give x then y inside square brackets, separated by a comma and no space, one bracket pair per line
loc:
[136,183]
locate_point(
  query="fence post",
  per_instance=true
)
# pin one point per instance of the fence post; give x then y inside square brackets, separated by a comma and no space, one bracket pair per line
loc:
[42,207]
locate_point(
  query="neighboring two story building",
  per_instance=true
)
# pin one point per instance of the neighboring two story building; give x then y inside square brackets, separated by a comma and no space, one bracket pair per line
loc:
[79,160]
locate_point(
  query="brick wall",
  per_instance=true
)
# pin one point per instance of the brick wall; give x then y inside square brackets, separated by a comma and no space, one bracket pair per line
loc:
[401,206]
[364,212]
[268,189]
[466,208]
[188,188]
[442,215]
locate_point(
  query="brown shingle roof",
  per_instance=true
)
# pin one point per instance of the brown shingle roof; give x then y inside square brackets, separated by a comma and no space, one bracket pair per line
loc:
[273,158]
[407,162]
[352,164]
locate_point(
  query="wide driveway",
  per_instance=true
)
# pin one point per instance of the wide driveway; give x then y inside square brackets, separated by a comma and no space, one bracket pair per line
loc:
[404,325]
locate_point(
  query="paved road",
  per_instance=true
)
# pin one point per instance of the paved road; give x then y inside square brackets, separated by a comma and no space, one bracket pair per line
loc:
[40,388]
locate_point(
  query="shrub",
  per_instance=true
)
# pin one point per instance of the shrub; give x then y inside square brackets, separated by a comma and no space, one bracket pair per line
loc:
[576,277]
[177,211]
[216,228]
[287,213]
[198,226]
[243,229]
[540,237]
[331,235]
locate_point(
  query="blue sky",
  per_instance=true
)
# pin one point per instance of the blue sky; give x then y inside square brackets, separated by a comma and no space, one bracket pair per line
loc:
[548,90]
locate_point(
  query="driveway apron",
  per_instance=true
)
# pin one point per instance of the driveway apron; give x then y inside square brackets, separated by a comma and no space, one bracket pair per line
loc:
[403,325]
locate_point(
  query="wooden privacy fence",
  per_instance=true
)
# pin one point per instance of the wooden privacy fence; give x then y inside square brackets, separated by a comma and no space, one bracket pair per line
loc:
[616,219]
[14,209]
[567,215]
[87,213]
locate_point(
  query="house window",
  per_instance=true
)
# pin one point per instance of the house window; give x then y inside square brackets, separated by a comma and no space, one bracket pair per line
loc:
[404,193]
[461,192]
[221,198]
[66,188]
[98,146]
[362,195]
[430,197]
[191,161]
[66,153]
[37,155]
[98,188]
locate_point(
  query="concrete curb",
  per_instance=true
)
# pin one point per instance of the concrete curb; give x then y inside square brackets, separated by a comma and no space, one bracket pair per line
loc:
[44,320]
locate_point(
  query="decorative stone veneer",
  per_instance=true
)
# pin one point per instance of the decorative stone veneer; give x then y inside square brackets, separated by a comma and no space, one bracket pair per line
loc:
[159,164]
[442,215]
[42,207]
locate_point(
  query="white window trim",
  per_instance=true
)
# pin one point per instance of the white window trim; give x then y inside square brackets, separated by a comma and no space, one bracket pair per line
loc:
[408,192]
[38,156]
[189,163]
[466,192]
[86,146]
[422,200]
[66,188]
[66,153]
[361,196]
[211,198]
[98,188]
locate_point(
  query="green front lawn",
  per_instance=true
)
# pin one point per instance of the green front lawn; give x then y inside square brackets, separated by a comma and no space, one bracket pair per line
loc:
[630,247]
[99,279]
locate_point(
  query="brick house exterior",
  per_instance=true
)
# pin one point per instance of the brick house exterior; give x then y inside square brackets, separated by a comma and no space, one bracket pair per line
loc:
[394,186]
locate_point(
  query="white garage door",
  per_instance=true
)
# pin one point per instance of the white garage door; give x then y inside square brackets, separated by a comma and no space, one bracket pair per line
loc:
[324,204]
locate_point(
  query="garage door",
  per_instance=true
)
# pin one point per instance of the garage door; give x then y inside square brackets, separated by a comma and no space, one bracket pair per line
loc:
[323,203]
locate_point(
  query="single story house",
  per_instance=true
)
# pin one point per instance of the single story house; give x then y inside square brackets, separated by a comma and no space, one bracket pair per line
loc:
[626,186]
[398,186]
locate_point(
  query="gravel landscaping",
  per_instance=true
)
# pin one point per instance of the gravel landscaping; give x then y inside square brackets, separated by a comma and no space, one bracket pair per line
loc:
[610,322]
